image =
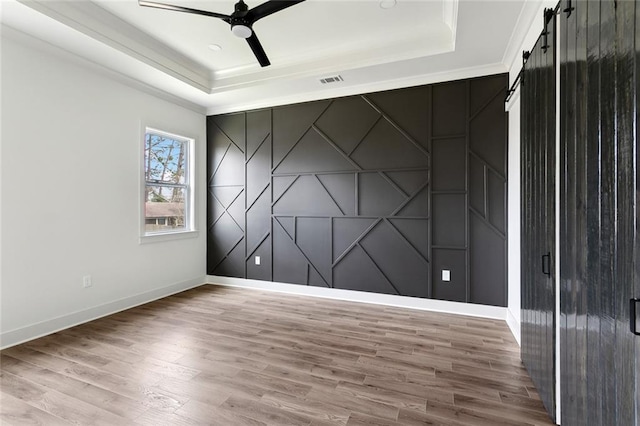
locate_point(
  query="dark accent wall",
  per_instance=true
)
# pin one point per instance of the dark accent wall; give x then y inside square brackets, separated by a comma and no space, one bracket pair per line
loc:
[377,192]
[538,232]
[599,222]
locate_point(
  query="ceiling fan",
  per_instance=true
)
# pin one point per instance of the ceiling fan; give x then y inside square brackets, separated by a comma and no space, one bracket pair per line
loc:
[241,20]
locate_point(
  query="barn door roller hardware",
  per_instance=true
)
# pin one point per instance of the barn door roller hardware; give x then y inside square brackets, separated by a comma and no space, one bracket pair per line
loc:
[548,16]
[512,89]
[569,8]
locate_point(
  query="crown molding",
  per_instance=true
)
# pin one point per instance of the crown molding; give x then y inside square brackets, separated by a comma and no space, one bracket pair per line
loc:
[96,22]
[345,61]
[90,19]
[377,86]
[89,30]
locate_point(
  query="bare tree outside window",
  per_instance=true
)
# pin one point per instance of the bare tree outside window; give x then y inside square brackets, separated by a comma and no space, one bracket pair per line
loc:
[166,183]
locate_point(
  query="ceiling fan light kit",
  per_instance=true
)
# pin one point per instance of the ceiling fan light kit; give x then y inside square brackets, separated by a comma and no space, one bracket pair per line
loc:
[241,31]
[388,4]
[241,20]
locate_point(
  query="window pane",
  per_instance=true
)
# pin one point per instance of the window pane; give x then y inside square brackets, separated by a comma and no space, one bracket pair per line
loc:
[164,208]
[164,159]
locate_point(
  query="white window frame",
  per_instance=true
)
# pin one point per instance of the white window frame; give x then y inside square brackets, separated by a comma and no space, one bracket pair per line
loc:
[189,230]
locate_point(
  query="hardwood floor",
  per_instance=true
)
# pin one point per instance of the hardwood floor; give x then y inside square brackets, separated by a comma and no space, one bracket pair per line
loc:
[227,356]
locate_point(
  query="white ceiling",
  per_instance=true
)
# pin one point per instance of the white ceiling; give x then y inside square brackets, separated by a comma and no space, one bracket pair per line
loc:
[415,42]
[332,30]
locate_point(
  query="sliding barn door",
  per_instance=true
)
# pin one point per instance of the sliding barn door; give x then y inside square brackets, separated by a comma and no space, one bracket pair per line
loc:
[600,265]
[538,130]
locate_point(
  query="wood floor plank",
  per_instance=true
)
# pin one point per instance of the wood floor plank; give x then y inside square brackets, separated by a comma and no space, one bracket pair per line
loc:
[483,381]
[517,413]
[266,413]
[15,412]
[410,367]
[56,403]
[207,393]
[316,381]
[154,417]
[163,368]
[416,418]
[359,419]
[203,414]
[356,404]
[318,412]
[383,395]
[231,356]
[278,384]
[469,416]
[110,401]
[401,388]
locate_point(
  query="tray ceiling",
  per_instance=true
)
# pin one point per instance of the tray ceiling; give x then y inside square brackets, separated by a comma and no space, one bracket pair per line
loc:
[368,45]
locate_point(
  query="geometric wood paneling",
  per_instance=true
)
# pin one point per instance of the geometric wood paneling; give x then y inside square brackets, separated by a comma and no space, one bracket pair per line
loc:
[339,193]
[449,174]
[226,185]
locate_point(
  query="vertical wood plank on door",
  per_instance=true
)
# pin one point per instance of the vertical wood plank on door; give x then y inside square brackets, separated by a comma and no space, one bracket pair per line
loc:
[573,217]
[624,354]
[594,381]
[537,359]
[525,167]
[581,205]
[608,220]
[567,216]
[550,212]
[600,126]
[538,235]
[636,243]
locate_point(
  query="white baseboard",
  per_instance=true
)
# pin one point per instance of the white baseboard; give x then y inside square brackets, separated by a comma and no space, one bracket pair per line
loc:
[43,328]
[514,325]
[469,309]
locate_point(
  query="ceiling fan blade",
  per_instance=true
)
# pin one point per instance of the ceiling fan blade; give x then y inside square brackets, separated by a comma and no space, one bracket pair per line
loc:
[165,6]
[267,8]
[257,49]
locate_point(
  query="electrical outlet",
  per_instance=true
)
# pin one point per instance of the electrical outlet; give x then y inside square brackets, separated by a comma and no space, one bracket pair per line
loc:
[257,260]
[446,275]
[86,281]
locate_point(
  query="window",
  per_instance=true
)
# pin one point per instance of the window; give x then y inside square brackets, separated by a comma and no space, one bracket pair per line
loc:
[167,183]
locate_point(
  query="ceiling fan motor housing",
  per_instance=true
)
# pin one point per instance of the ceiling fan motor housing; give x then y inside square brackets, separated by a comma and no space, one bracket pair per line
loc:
[240,27]
[241,7]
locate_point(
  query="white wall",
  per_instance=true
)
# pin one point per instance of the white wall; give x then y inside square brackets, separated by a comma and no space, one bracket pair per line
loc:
[528,39]
[70,190]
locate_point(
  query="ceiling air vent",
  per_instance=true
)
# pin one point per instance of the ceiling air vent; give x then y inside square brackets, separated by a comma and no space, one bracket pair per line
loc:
[334,79]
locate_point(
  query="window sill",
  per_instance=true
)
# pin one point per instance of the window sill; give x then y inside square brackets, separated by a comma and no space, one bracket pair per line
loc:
[167,236]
